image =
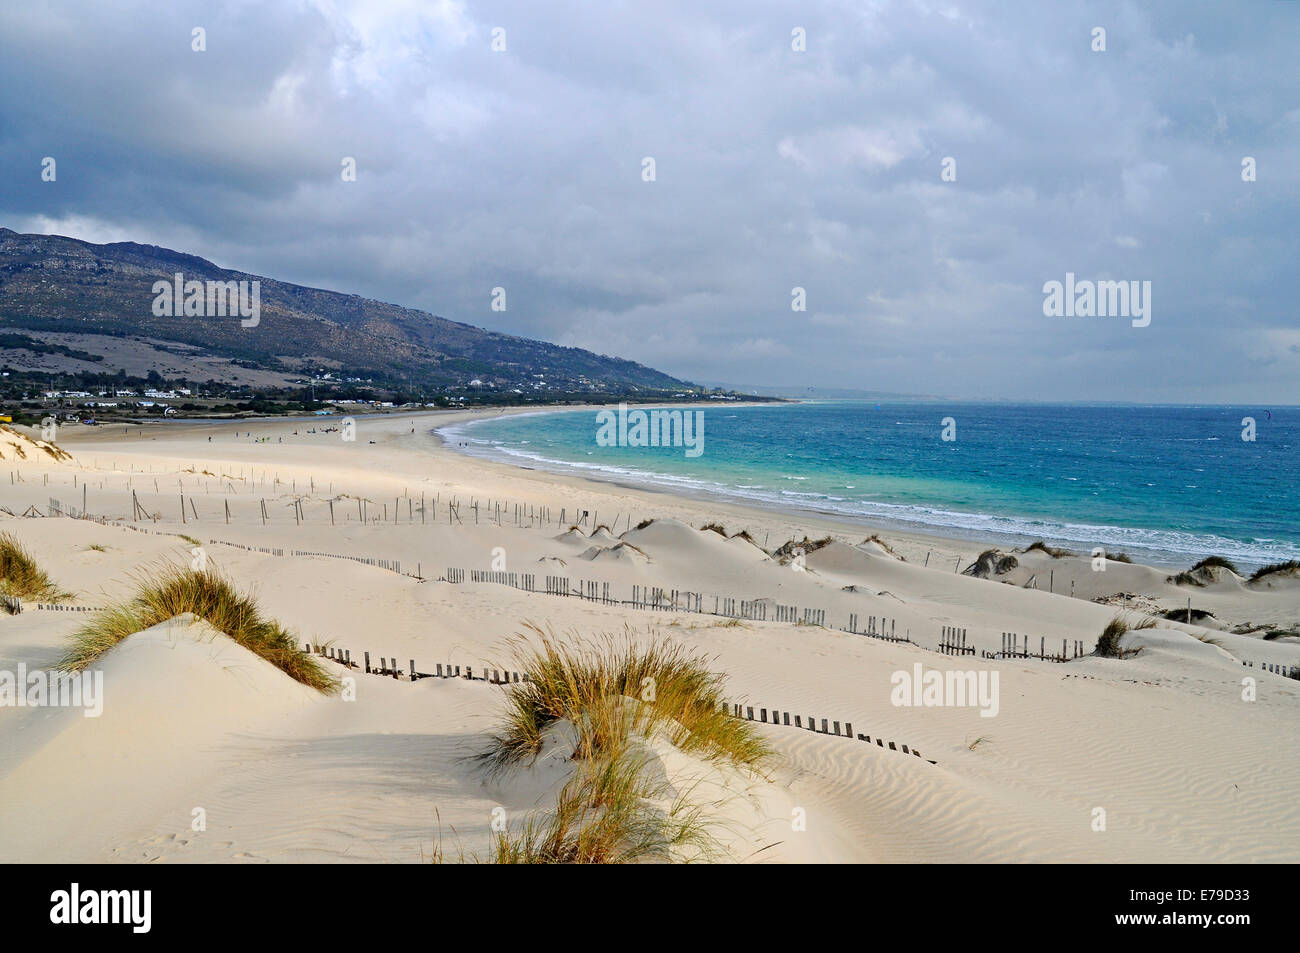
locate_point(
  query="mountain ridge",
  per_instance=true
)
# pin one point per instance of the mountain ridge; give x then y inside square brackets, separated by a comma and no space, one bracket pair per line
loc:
[63,284]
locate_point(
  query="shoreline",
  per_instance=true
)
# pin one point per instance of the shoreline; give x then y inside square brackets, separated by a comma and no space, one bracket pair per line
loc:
[403,552]
[1149,553]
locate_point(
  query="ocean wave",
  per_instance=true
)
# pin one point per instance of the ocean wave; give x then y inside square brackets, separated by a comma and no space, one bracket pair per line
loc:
[1171,546]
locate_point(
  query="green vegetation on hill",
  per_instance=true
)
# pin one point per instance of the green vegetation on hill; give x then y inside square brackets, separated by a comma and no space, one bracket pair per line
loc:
[53,283]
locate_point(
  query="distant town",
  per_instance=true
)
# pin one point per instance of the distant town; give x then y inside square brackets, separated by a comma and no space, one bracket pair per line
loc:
[27,397]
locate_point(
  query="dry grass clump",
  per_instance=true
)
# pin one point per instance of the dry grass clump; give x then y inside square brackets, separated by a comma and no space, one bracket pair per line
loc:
[1108,641]
[805,546]
[608,813]
[614,693]
[1217,562]
[20,576]
[875,538]
[1200,574]
[722,531]
[1289,566]
[612,687]
[210,596]
[1183,615]
[1050,550]
[991,563]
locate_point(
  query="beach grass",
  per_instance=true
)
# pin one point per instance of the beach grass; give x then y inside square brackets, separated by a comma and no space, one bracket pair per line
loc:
[609,812]
[991,562]
[20,575]
[611,687]
[1217,562]
[173,590]
[614,692]
[1108,642]
[1052,551]
[1181,615]
[793,548]
[875,538]
[1262,571]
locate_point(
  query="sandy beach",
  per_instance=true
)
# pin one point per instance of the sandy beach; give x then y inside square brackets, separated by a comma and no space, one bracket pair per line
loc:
[1180,751]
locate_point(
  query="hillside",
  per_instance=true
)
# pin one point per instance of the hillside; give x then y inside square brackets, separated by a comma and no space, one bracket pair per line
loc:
[56,287]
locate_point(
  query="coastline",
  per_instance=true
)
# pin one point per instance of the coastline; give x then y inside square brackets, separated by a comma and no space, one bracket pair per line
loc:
[1168,548]
[409,555]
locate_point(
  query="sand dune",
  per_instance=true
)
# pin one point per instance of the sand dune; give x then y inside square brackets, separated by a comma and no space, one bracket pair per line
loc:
[1163,741]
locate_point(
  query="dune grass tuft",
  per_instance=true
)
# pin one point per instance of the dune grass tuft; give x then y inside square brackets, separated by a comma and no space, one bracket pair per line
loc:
[714,528]
[875,538]
[20,575]
[991,563]
[1108,642]
[792,548]
[1052,551]
[1216,562]
[614,692]
[175,590]
[1182,615]
[608,813]
[1262,571]
[611,687]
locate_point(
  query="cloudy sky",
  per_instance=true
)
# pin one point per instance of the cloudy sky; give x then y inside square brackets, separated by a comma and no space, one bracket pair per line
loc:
[775,168]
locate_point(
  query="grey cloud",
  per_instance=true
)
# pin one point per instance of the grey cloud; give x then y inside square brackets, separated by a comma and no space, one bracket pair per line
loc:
[775,169]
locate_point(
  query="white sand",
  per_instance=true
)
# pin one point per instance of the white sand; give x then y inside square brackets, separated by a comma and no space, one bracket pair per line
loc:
[1162,741]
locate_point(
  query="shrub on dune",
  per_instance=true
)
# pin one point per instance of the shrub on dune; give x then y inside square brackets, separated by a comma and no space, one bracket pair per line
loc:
[1216,562]
[805,546]
[613,695]
[875,538]
[209,596]
[991,563]
[1290,565]
[607,813]
[1184,615]
[1108,642]
[1050,550]
[612,688]
[20,576]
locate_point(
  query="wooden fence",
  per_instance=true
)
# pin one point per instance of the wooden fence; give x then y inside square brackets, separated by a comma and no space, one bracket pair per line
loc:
[1012,647]
[389,667]
[952,641]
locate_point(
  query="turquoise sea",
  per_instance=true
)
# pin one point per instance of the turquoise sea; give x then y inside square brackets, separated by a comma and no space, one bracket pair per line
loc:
[1166,484]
